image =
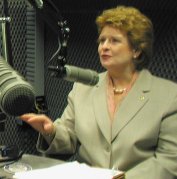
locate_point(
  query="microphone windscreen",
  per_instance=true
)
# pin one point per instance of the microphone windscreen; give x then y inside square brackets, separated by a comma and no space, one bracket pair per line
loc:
[77,74]
[17,96]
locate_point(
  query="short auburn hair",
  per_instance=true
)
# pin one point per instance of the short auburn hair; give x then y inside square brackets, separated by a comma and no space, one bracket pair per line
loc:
[137,26]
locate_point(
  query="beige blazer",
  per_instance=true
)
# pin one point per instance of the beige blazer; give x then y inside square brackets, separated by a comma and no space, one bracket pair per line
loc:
[142,141]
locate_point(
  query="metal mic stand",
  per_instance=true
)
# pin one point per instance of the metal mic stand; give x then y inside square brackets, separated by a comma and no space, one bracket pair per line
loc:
[51,15]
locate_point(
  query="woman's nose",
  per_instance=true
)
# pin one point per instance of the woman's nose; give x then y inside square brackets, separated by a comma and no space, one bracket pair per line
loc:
[106,44]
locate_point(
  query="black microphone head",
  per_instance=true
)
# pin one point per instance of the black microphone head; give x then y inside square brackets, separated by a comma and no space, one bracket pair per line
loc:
[17,96]
[17,100]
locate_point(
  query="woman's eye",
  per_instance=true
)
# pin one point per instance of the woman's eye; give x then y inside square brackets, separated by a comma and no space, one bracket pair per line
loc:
[102,40]
[111,40]
[114,40]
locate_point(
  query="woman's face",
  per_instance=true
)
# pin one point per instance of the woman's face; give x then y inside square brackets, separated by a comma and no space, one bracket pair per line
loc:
[114,49]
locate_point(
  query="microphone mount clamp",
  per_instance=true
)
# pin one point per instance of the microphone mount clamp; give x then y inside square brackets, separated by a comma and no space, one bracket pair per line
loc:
[50,13]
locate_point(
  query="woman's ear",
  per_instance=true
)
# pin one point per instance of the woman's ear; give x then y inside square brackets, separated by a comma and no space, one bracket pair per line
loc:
[136,53]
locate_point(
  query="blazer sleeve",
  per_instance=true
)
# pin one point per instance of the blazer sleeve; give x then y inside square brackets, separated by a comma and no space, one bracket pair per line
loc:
[164,163]
[65,140]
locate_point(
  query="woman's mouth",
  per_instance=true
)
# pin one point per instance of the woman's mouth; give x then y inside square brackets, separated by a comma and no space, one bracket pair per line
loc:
[105,57]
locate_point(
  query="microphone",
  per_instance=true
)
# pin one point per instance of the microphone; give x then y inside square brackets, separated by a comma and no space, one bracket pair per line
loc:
[77,74]
[85,76]
[16,95]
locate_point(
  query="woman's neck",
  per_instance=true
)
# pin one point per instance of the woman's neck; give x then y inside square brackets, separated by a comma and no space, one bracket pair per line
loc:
[123,82]
[122,78]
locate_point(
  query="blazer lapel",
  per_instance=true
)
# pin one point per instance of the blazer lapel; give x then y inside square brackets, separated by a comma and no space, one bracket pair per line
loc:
[133,102]
[101,109]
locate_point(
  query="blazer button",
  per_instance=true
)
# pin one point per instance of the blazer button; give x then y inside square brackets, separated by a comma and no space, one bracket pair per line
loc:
[108,148]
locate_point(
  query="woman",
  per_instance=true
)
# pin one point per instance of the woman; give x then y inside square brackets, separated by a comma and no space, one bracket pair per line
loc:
[125,121]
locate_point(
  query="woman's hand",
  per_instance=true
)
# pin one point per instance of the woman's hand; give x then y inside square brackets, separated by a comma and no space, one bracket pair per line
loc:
[39,122]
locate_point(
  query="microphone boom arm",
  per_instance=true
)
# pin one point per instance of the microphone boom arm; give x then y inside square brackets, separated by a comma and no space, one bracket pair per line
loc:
[50,13]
